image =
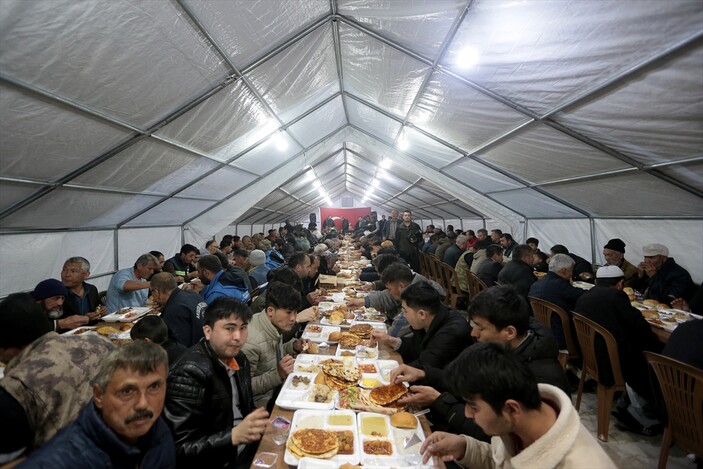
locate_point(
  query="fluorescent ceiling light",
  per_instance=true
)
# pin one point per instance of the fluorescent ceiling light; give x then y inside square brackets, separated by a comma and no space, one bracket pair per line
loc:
[309,176]
[386,163]
[403,144]
[467,57]
[375,183]
[281,142]
[316,183]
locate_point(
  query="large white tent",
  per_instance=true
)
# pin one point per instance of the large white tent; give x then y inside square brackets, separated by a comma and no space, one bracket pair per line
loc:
[127,125]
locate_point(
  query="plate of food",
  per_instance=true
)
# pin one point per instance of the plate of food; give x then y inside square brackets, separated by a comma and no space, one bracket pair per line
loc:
[382,438]
[129,314]
[320,333]
[300,391]
[81,330]
[323,435]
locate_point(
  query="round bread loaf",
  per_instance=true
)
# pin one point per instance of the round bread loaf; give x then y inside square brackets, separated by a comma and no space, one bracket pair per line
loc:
[335,336]
[403,420]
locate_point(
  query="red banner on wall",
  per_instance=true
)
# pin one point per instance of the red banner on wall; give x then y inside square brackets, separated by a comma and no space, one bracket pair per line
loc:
[351,214]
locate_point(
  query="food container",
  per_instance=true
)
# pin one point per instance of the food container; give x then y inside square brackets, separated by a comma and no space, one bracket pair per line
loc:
[265,460]
[333,420]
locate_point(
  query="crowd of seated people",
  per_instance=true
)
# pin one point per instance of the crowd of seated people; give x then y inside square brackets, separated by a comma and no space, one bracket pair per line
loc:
[211,365]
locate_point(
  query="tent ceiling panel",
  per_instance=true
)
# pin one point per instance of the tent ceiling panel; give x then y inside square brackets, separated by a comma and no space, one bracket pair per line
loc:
[96,210]
[614,196]
[221,183]
[540,153]
[333,163]
[462,116]
[371,121]
[266,156]
[13,192]
[653,118]
[85,51]
[224,125]
[320,122]
[420,27]
[691,174]
[479,176]
[428,150]
[533,204]
[43,141]
[300,76]
[147,166]
[170,211]
[544,55]
[378,73]
[248,29]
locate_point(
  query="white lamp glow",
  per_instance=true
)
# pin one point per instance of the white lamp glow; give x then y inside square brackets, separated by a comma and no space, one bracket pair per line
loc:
[375,183]
[316,183]
[281,142]
[403,144]
[467,57]
[386,163]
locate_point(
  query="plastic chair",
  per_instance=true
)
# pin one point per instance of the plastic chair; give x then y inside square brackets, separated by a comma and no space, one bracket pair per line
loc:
[543,313]
[586,331]
[476,285]
[682,387]
[433,264]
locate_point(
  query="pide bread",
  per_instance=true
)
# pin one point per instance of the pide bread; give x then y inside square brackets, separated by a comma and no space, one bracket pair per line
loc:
[335,336]
[314,443]
[384,395]
[403,420]
[650,302]
[650,314]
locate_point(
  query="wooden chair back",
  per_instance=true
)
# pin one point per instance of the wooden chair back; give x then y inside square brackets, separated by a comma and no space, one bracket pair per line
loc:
[451,285]
[476,285]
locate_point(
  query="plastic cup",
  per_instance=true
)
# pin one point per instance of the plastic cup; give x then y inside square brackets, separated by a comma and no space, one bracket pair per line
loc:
[281,427]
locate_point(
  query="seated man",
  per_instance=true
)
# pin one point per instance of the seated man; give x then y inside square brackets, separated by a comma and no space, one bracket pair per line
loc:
[454,252]
[219,283]
[181,310]
[271,360]
[51,295]
[519,272]
[508,244]
[498,314]
[257,259]
[130,287]
[533,425]
[122,425]
[47,378]
[438,334]
[240,257]
[660,278]
[489,270]
[606,304]
[82,299]
[154,329]
[209,404]
[539,259]
[181,265]
[614,254]
[583,270]
[556,288]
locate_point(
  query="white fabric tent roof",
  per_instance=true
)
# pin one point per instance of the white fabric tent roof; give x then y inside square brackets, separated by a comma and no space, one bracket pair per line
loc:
[117,115]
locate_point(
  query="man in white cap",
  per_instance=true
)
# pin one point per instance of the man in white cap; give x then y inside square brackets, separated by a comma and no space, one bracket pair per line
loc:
[257,259]
[607,305]
[660,277]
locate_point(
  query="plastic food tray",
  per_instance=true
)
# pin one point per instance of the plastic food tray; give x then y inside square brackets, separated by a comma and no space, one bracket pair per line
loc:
[322,336]
[130,315]
[321,420]
[298,397]
[395,436]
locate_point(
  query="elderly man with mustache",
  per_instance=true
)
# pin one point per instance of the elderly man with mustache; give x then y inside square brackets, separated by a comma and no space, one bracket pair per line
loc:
[121,426]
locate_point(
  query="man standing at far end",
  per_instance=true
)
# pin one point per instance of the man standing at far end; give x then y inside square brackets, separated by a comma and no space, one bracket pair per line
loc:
[209,403]
[407,240]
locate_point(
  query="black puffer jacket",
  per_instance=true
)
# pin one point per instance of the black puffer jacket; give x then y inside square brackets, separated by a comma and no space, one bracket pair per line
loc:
[518,274]
[199,407]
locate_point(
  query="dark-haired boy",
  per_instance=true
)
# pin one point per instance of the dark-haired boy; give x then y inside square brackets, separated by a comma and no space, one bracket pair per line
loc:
[270,358]
[154,329]
[438,334]
[533,425]
[209,404]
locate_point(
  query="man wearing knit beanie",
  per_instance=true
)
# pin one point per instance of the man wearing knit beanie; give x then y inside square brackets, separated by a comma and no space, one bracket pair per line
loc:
[48,376]
[50,294]
[614,254]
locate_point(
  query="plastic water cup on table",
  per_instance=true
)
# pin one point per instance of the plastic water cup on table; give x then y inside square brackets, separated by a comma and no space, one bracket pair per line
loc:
[281,427]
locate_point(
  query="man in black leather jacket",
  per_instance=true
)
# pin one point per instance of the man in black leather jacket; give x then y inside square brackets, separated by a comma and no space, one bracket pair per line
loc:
[209,404]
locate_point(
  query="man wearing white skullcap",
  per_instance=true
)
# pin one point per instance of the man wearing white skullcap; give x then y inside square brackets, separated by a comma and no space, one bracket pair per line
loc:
[660,277]
[607,305]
